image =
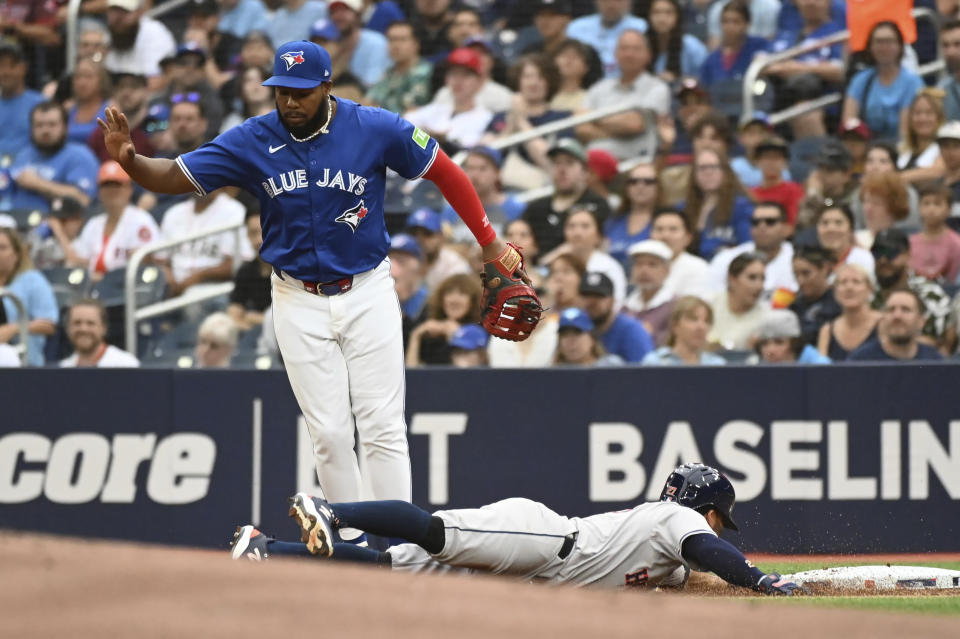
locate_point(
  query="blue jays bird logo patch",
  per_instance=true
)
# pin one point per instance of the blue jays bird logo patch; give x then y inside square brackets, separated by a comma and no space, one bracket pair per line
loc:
[353,216]
[293,58]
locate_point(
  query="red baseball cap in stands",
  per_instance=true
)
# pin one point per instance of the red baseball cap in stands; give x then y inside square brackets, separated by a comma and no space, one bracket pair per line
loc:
[300,65]
[603,164]
[465,57]
[856,127]
[112,172]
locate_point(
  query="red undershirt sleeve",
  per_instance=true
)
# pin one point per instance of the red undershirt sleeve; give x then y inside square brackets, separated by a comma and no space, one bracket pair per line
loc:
[459,192]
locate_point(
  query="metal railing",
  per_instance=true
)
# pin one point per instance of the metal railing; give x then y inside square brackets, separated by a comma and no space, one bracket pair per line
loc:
[132,315]
[761,62]
[23,321]
[552,127]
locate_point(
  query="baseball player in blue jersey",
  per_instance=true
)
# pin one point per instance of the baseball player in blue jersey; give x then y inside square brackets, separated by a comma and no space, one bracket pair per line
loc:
[655,544]
[318,166]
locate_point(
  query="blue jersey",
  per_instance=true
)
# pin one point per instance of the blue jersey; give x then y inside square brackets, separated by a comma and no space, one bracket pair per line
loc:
[321,201]
[74,164]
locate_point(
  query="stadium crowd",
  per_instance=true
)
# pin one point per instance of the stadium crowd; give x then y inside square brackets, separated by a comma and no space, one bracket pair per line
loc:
[679,229]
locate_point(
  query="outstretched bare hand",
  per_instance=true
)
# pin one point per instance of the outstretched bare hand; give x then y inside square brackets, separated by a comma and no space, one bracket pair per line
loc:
[116,136]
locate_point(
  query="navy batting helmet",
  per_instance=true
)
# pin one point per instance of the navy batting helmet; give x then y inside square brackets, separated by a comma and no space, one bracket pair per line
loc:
[701,487]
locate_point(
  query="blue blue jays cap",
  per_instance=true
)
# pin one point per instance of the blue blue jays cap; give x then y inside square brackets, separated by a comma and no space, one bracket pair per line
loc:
[403,243]
[469,338]
[300,65]
[425,219]
[324,30]
[575,318]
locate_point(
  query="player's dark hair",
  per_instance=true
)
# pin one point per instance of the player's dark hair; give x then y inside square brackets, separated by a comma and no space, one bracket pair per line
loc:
[737,6]
[547,68]
[47,106]
[781,210]
[95,303]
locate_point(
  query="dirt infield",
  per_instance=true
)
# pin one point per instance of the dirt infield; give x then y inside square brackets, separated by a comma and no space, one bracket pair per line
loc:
[56,587]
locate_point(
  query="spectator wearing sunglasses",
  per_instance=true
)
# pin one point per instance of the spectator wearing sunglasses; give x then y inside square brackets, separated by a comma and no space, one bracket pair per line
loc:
[633,221]
[768,230]
[189,83]
[891,253]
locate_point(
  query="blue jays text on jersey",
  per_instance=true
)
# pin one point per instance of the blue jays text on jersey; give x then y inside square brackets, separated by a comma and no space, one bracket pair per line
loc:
[321,201]
[292,180]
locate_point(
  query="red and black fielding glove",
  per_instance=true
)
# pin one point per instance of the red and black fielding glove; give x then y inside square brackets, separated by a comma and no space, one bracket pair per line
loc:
[511,308]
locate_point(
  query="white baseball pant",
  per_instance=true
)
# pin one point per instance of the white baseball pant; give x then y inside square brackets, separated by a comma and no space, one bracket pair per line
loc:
[344,359]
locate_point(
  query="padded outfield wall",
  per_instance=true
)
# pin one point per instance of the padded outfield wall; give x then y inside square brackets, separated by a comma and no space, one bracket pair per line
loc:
[826,459]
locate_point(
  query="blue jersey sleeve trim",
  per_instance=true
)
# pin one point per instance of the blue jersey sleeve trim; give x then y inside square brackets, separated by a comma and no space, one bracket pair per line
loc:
[433,158]
[193,180]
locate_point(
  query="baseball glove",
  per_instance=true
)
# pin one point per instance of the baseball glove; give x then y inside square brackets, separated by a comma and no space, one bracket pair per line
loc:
[511,308]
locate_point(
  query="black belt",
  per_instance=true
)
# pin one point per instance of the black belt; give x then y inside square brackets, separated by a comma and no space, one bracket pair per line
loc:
[324,288]
[568,543]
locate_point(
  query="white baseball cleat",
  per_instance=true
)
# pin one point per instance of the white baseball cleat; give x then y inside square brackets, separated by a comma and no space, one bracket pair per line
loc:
[315,520]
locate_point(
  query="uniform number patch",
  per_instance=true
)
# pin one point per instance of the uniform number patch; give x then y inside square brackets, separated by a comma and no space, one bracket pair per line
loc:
[421,137]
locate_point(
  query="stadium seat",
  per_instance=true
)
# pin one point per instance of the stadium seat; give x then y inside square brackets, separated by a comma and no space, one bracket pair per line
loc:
[150,286]
[174,358]
[250,360]
[69,284]
[26,219]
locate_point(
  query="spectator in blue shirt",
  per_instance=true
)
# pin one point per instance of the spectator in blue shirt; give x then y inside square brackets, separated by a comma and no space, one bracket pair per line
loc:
[366,49]
[763,16]
[240,17]
[91,93]
[808,75]
[619,333]
[902,323]
[881,95]
[293,20]
[674,53]
[736,48]
[790,17]
[602,30]
[717,204]
[482,166]
[51,166]
[18,276]
[16,102]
